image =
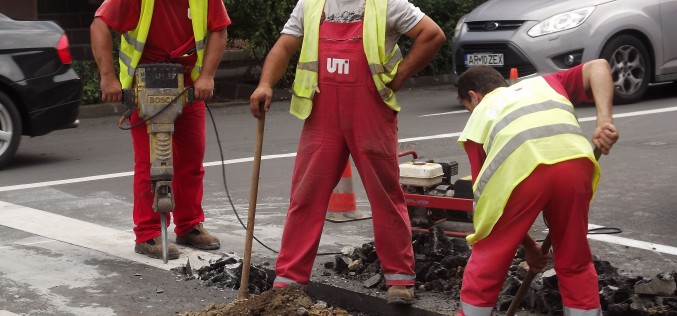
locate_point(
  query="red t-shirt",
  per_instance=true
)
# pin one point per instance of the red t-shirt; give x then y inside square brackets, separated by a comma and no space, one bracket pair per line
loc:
[171,33]
[568,83]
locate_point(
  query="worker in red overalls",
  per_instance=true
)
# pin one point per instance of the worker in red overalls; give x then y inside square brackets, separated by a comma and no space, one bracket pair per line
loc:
[346,78]
[527,153]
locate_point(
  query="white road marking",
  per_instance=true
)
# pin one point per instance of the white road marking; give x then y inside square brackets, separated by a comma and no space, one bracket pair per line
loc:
[117,243]
[613,239]
[445,113]
[88,235]
[241,160]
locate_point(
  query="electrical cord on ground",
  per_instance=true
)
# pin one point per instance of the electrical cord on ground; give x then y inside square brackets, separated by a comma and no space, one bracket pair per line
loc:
[225,186]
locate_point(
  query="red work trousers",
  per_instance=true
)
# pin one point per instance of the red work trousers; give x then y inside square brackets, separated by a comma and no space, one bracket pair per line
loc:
[188,154]
[563,191]
[348,118]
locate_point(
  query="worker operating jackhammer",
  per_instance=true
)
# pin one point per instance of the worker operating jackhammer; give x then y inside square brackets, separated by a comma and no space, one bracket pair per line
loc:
[191,33]
[528,153]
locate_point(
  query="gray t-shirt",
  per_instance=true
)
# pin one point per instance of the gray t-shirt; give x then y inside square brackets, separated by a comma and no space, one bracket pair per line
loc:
[402,17]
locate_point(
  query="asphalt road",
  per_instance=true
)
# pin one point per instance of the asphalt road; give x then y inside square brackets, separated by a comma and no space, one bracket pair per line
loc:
[66,241]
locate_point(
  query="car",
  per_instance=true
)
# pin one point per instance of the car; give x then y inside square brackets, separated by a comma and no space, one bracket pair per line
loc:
[539,37]
[39,90]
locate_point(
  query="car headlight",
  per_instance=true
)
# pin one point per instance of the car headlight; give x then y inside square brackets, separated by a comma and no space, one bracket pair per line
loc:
[561,22]
[459,25]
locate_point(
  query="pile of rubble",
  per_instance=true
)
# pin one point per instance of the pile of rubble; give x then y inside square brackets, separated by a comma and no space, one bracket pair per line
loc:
[226,272]
[287,301]
[440,262]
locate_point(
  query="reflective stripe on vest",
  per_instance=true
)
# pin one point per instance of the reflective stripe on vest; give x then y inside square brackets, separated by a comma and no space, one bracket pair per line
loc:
[132,43]
[570,311]
[520,127]
[472,310]
[383,66]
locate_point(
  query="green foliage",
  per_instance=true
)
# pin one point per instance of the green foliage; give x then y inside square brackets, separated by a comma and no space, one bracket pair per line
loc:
[258,23]
[89,74]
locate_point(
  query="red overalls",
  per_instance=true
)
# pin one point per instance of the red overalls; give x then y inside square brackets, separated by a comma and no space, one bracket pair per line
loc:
[188,154]
[348,118]
[563,191]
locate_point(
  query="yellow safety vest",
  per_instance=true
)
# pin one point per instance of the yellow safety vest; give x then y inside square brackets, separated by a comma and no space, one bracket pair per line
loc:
[520,127]
[133,42]
[383,66]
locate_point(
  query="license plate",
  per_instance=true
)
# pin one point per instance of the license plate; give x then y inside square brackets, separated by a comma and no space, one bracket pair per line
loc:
[483,59]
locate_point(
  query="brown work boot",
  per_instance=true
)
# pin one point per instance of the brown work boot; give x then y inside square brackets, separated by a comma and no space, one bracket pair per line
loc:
[153,249]
[199,238]
[400,294]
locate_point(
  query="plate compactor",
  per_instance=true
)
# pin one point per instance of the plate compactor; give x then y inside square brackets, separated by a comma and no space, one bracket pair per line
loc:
[433,199]
[159,96]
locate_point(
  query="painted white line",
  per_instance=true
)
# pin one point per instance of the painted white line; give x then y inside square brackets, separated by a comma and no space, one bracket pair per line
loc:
[28,244]
[446,113]
[6,313]
[127,174]
[613,239]
[88,235]
[241,160]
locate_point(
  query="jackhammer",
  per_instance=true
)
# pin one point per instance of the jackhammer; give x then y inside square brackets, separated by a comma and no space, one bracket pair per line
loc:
[159,96]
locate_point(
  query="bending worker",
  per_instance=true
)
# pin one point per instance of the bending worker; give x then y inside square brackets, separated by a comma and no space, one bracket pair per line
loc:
[165,32]
[527,153]
[348,72]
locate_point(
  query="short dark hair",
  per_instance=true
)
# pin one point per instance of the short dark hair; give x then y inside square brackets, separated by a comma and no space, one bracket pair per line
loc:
[480,78]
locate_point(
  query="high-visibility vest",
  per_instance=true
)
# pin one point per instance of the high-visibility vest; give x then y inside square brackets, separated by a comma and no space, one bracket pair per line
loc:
[133,42]
[520,127]
[383,66]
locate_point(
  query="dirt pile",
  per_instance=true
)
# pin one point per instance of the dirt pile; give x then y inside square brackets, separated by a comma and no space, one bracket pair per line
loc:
[287,301]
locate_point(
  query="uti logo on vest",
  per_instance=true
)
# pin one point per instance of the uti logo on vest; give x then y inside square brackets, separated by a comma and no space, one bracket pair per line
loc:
[340,65]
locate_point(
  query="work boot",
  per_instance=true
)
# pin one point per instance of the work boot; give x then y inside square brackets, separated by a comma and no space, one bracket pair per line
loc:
[199,238]
[400,294]
[153,249]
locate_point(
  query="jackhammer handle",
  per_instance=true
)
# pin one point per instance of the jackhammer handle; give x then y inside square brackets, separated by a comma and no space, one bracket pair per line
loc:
[528,278]
[253,193]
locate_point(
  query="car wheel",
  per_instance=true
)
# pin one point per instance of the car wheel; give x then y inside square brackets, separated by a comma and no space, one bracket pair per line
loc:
[10,129]
[630,68]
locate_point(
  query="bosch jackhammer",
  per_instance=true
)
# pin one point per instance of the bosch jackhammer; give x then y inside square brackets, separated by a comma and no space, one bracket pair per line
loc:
[159,96]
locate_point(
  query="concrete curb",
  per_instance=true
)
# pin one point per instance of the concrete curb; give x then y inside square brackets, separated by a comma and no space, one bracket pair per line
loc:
[238,94]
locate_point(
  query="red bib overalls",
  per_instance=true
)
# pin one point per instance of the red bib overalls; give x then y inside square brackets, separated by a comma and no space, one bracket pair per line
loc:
[348,118]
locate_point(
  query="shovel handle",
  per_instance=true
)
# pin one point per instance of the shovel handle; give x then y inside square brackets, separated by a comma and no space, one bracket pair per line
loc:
[251,214]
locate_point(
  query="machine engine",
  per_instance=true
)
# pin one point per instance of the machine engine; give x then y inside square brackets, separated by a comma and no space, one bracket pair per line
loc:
[433,196]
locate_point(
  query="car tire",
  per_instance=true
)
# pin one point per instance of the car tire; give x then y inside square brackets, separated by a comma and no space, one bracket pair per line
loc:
[630,68]
[10,129]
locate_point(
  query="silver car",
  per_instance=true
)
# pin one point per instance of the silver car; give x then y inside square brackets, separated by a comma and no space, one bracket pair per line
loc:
[637,37]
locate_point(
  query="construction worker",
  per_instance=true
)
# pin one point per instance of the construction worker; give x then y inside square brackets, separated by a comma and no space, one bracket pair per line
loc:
[348,72]
[165,32]
[527,153]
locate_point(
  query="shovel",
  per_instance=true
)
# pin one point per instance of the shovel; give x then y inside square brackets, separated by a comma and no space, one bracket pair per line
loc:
[529,277]
[251,214]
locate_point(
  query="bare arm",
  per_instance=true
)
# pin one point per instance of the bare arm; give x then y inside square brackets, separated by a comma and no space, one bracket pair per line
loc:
[597,79]
[428,38]
[274,68]
[536,259]
[216,44]
[102,49]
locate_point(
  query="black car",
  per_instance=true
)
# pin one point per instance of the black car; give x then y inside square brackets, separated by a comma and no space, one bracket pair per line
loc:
[39,90]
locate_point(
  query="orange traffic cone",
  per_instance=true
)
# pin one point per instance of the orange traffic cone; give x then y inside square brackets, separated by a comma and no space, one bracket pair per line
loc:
[342,203]
[513,76]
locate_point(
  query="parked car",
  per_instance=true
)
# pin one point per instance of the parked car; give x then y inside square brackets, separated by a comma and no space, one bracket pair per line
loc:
[39,91]
[539,37]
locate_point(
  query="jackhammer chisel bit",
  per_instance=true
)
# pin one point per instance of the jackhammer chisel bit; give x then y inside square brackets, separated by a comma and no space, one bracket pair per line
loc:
[158,95]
